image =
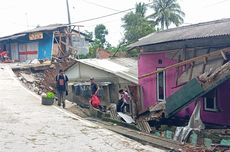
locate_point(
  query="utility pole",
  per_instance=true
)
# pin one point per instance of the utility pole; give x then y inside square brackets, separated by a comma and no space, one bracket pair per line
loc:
[67,5]
[68,34]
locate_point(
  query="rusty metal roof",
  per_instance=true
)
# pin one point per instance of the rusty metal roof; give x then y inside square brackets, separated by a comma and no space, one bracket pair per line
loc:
[125,68]
[195,31]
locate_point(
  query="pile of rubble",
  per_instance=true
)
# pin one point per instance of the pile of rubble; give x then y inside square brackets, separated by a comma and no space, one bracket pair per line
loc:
[43,80]
[50,74]
[32,81]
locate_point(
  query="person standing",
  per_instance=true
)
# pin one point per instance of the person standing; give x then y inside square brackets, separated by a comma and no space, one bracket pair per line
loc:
[94,87]
[62,87]
[126,100]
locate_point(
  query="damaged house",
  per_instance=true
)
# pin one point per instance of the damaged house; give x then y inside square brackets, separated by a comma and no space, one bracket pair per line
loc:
[44,42]
[171,66]
[111,74]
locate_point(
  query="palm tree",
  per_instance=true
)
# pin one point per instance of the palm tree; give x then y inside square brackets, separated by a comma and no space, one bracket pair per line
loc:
[166,12]
[136,25]
[141,9]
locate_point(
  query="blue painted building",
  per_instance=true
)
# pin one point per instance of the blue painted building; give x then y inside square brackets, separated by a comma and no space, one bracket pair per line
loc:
[40,43]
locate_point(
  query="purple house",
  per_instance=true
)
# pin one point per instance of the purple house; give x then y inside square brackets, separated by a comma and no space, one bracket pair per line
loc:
[172,59]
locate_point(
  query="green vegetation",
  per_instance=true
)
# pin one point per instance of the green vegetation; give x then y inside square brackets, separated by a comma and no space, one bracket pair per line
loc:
[137,25]
[166,12]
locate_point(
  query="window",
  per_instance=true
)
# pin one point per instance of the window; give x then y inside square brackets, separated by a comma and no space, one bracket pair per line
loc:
[160,61]
[210,101]
[161,85]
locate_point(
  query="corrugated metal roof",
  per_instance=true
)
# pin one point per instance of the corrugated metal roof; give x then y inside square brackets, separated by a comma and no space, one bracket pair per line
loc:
[50,27]
[12,37]
[195,31]
[125,68]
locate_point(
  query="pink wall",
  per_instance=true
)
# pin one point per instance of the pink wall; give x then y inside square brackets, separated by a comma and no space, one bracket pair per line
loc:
[222,116]
[223,105]
[149,62]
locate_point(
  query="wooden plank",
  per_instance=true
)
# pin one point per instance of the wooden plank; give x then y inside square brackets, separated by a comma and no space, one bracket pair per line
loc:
[192,65]
[223,55]
[205,61]
[190,74]
[69,46]
[199,58]
[177,71]
[59,44]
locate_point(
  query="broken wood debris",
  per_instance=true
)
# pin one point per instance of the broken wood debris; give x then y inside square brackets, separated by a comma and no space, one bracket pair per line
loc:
[213,74]
[144,126]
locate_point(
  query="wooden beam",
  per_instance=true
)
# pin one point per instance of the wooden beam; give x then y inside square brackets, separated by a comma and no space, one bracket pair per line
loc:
[190,74]
[205,61]
[68,46]
[223,55]
[199,58]
[58,43]
[177,70]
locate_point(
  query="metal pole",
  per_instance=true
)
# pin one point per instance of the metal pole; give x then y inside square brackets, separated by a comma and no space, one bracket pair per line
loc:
[68,36]
[67,5]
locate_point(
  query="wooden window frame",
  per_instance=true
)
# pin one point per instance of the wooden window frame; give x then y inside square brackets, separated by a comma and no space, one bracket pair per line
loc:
[215,109]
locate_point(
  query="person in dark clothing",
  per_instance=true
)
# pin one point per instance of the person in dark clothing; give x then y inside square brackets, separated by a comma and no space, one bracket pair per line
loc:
[61,87]
[94,87]
[94,92]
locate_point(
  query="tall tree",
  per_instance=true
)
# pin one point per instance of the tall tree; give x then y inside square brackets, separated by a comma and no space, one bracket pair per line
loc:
[136,25]
[166,12]
[141,9]
[100,33]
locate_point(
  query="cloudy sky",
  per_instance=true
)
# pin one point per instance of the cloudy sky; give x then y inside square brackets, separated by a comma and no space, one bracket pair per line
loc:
[20,15]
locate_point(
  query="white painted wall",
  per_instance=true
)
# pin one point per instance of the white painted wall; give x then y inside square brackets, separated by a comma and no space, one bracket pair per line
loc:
[83,72]
[73,72]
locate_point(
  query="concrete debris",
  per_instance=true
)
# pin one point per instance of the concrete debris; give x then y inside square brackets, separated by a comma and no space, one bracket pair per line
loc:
[32,81]
[42,79]
[29,78]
